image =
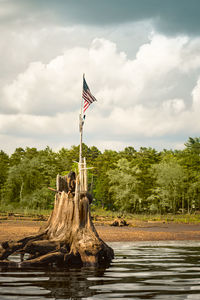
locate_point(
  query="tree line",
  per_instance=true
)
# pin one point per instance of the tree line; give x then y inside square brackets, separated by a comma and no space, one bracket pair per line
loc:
[143,181]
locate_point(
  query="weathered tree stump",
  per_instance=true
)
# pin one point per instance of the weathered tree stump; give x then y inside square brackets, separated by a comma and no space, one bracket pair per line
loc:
[69,237]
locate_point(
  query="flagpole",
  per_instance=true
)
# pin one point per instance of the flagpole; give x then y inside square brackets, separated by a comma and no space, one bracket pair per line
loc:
[81,128]
[81,138]
[81,142]
[88,98]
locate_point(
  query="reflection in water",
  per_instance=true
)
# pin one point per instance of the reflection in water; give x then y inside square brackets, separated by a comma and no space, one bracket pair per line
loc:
[51,284]
[71,284]
[139,271]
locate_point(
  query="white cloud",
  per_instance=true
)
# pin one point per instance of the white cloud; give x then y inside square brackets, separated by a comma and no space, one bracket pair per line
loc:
[174,106]
[190,58]
[8,9]
[136,97]
[196,97]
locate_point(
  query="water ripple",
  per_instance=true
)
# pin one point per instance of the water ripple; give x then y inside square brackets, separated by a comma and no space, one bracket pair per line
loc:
[139,271]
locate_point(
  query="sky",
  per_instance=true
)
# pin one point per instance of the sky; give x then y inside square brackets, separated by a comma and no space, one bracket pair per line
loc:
[141,60]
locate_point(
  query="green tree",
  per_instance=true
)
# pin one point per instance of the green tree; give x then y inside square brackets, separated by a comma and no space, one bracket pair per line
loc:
[4,167]
[144,159]
[189,159]
[124,186]
[128,153]
[170,190]
[28,178]
[103,163]
[193,145]
[17,156]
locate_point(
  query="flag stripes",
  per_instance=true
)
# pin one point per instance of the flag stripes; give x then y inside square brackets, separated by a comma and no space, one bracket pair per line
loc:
[87,96]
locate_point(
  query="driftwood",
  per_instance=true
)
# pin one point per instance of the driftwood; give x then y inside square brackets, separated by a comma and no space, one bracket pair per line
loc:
[69,237]
[119,222]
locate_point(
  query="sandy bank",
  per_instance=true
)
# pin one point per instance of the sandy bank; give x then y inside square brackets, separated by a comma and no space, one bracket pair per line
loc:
[12,230]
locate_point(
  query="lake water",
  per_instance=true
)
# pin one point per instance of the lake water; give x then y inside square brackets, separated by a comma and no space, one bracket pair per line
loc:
[148,270]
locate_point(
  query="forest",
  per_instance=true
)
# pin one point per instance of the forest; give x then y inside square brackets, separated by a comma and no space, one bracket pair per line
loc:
[128,181]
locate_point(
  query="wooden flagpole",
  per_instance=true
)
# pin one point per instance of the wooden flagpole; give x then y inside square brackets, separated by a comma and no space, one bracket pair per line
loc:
[81,142]
[81,128]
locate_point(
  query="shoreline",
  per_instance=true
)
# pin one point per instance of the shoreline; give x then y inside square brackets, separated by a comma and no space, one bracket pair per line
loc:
[169,232]
[17,229]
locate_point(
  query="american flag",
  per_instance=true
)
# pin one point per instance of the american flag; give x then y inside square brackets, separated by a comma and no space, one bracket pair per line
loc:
[87,96]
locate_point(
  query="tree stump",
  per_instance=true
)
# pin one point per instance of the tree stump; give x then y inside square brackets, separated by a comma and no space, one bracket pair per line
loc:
[69,238]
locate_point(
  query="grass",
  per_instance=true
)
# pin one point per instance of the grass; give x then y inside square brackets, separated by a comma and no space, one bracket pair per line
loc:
[6,211]
[107,215]
[167,218]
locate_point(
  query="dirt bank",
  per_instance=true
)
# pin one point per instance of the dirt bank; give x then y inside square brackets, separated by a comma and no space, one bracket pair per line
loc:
[16,229]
